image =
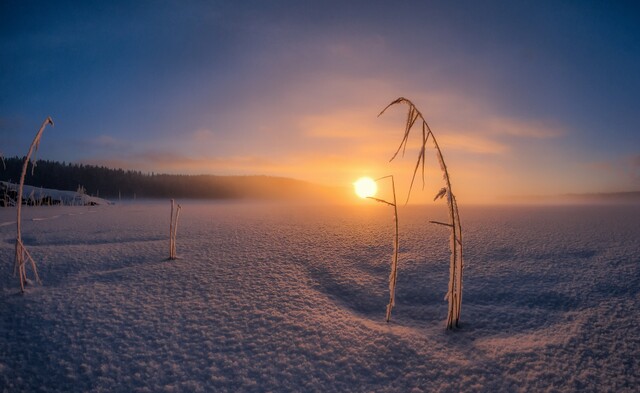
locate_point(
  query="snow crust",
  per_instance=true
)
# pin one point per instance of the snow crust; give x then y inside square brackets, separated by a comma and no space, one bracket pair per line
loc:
[292,298]
[36,195]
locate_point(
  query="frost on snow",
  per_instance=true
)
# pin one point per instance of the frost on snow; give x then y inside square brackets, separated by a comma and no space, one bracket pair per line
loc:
[286,298]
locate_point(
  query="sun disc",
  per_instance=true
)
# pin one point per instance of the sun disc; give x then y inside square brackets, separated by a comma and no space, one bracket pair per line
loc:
[365,187]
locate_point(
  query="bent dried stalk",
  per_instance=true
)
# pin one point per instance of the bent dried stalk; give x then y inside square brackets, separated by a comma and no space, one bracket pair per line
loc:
[456,265]
[21,252]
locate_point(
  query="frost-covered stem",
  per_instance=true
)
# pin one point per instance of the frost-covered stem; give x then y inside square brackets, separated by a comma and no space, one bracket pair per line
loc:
[454,292]
[175,231]
[20,249]
[460,265]
[394,262]
[33,263]
[394,265]
[171,231]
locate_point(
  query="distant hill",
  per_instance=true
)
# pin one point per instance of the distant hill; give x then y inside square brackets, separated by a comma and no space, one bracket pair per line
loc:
[118,183]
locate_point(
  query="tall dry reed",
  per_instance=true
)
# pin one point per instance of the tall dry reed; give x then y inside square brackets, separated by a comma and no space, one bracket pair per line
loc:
[21,252]
[456,263]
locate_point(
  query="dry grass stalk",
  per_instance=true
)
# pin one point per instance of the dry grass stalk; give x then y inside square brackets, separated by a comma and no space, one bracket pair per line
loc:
[394,263]
[173,229]
[21,252]
[454,292]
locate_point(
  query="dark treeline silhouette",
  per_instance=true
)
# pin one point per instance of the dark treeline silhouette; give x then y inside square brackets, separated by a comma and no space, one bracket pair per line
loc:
[112,183]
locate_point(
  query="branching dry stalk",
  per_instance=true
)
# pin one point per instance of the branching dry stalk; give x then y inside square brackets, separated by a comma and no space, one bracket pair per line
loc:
[173,229]
[454,292]
[394,263]
[21,252]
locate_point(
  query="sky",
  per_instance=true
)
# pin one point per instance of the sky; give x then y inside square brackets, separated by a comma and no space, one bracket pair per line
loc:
[525,98]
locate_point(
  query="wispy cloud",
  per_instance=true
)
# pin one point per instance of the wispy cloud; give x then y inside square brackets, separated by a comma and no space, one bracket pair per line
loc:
[340,124]
[107,141]
[535,129]
[606,175]
[472,143]
[202,135]
[172,162]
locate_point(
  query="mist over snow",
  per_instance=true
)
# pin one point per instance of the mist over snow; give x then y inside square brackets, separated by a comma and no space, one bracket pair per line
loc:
[272,297]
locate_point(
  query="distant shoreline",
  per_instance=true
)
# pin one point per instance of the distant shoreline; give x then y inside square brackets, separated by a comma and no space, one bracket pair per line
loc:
[631,197]
[117,184]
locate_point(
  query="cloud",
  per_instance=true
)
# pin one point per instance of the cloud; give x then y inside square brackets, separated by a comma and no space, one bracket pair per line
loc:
[202,135]
[334,136]
[535,129]
[609,174]
[340,124]
[370,134]
[633,167]
[472,144]
[106,141]
[103,145]
[173,162]
[469,125]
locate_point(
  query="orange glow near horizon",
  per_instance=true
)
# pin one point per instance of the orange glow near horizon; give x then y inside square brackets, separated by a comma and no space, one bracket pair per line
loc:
[491,157]
[365,187]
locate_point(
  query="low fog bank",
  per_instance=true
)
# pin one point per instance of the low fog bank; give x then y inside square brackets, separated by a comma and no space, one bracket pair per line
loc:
[606,198]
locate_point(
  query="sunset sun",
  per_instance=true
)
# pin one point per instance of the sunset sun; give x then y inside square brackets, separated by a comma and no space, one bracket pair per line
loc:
[365,187]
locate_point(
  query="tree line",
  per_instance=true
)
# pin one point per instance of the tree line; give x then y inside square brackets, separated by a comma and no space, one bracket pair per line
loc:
[111,183]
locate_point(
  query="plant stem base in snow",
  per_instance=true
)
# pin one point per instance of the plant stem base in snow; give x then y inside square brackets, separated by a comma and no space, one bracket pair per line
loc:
[394,262]
[173,229]
[456,263]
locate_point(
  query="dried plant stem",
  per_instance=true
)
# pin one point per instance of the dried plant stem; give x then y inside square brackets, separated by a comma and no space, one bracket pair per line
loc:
[394,262]
[394,265]
[21,251]
[454,291]
[173,229]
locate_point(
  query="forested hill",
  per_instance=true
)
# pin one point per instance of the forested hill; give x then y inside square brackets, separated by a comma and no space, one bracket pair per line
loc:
[113,183]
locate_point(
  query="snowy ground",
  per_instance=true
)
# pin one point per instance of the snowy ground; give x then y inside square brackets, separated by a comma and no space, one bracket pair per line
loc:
[277,298]
[37,196]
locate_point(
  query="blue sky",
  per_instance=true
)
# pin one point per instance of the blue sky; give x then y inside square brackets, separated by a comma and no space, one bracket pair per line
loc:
[526,98]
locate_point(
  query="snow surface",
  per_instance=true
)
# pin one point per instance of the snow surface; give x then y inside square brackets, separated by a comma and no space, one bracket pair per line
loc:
[37,194]
[292,298]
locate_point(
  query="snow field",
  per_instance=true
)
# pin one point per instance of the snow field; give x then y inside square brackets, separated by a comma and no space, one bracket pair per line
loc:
[292,298]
